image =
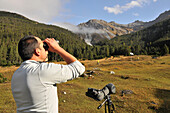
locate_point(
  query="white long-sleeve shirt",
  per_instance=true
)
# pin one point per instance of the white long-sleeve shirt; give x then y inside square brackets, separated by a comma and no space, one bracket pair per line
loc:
[33,85]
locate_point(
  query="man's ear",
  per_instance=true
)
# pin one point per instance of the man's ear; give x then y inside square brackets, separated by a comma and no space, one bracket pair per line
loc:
[37,52]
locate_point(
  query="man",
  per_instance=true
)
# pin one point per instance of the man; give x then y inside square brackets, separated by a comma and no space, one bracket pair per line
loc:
[33,84]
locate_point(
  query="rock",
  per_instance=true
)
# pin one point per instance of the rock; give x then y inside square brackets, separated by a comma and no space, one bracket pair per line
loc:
[148,79]
[64,92]
[92,72]
[64,101]
[84,75]
[152,102]
[137,79]
[126,92]
[91,77]
[153,107]
[89,72]
[124,77]
[112,72]
[154,57]
[97,69]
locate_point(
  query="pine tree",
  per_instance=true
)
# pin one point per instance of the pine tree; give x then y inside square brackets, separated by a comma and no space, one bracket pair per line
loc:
[112,50]
[165,50]
[137,49]
[90,57]
[107,51]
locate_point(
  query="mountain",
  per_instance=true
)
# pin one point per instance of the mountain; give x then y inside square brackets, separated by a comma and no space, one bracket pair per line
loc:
[153,40]
[109,30]
[142,25]
[102,30]
[14,26]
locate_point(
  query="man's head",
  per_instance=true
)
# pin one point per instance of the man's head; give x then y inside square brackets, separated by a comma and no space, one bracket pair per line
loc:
[31,47]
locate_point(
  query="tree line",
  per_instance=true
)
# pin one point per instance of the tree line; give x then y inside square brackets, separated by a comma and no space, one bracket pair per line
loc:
[13,27]
[154,40]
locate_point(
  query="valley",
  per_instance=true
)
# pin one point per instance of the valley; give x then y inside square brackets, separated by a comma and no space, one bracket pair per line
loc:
[148,78]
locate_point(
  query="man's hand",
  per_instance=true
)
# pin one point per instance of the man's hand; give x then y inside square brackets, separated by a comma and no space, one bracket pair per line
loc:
[53,45]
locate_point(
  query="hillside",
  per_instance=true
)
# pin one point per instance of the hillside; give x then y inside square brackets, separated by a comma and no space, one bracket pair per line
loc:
[108,30]
[154,34]
[102,30]
[14,26]
[150,40]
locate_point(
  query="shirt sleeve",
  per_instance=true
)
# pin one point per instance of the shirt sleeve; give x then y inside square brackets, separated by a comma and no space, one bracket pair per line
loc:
[56,73]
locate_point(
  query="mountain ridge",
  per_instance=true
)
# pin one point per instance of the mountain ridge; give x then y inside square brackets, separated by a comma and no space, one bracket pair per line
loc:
[112,29]
[14,27]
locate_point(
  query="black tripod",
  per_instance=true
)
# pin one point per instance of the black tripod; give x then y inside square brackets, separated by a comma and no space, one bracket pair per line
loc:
[108,103]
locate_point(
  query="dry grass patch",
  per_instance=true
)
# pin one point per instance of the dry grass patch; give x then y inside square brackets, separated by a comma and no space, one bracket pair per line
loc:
[148,78]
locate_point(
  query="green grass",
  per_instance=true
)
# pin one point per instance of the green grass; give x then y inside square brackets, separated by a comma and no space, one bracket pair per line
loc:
[149,79]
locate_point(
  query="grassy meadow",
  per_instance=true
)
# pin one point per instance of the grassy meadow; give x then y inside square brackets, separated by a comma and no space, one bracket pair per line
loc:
[148,78]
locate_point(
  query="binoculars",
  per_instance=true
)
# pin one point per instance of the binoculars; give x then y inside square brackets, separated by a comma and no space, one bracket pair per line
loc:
[45,45]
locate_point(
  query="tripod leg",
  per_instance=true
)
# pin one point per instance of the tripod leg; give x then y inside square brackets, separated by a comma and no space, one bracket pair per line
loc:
[106,107]
[109,107]
[113,106]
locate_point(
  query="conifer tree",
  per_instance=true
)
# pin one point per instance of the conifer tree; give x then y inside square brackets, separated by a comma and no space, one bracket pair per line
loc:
[107,51]
[165,50]
[112,50]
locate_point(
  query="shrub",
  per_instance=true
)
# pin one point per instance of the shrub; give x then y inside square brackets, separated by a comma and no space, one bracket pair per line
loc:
[2,79]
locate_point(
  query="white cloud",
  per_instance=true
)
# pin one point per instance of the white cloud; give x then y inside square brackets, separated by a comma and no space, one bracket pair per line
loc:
[115,10]
[39,10]
[120,9]
[135,14]
[154,0]
[76,29]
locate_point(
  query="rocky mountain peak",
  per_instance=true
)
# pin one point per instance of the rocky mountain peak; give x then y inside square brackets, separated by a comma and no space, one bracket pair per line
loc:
[111,29]
[161,17]
[94,23]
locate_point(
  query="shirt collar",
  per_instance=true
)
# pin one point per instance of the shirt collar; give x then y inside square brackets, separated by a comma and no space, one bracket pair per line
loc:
[30,61]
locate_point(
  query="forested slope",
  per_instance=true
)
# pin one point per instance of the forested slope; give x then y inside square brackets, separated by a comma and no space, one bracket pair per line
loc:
[154,40]
[13,27]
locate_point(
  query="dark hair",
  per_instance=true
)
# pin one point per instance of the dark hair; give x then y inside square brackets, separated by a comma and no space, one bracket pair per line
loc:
[27,46]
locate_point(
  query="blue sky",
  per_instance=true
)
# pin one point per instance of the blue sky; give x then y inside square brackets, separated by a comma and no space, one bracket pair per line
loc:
[79,11]
[82,10]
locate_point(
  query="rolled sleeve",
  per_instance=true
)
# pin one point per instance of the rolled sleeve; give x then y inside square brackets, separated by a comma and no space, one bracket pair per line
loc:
[57,73]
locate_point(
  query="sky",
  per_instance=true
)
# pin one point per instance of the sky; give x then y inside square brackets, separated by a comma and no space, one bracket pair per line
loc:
[79,11]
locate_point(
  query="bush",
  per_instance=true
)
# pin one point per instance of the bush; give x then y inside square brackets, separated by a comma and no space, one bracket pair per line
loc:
[2,79]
